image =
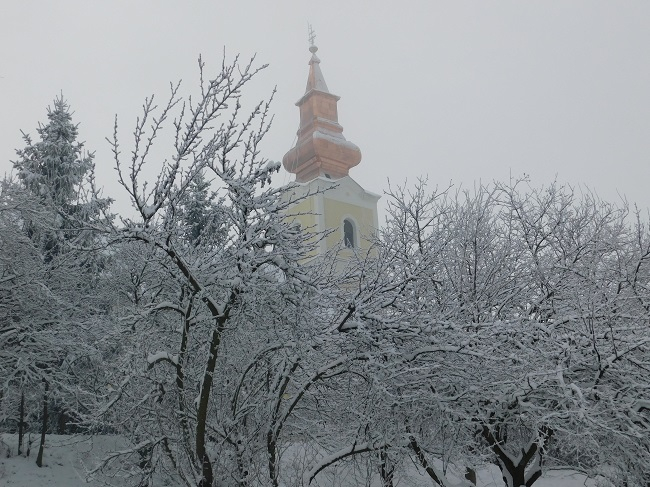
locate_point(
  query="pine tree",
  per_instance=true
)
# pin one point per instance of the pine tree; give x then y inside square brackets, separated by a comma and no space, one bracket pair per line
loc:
[47,209]
[54,169]
[55,166]
[200,213]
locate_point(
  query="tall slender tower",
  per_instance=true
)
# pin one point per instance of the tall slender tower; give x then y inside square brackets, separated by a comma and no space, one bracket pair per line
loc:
[321,161]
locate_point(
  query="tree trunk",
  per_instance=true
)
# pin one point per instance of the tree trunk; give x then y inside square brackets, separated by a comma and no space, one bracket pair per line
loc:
[419,453]
[470,474]
[513,477]
[386,469]
[21,422]
[202,456]
[62,422]
[180,377]
[221,318]
[528,467]
[241,467]
[41,447]
[272,454]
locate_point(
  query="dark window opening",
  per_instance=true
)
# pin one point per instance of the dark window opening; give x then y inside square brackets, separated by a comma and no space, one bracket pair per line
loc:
[348,234]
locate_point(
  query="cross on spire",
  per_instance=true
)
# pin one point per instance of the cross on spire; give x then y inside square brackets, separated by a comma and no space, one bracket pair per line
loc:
[312,35]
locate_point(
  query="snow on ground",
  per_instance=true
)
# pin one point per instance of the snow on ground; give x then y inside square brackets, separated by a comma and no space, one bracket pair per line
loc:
[68,458]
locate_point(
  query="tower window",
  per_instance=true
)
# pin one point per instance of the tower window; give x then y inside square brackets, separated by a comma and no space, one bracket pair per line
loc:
[348,233]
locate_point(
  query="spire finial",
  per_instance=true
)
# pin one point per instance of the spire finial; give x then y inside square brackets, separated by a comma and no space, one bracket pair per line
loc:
[312,38]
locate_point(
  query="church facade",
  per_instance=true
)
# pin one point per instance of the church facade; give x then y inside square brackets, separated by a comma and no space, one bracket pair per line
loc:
[329,202]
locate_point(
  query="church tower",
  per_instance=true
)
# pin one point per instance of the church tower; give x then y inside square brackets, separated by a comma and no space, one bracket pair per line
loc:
[321,161]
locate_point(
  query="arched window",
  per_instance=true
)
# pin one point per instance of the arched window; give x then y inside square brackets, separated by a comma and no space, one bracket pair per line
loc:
[348,233]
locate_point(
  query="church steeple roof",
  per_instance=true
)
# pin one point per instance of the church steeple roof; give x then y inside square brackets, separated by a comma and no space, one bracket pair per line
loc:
[321,149]
[315,81]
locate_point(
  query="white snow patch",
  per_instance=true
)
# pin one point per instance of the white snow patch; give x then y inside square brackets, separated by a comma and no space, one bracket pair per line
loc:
[158,356]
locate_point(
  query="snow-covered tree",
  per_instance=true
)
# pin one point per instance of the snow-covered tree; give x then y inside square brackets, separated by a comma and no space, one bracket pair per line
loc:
[46,217]
[200,213]
[501,325]
[43,308]
[531,306]
[218,305]
[54,167]
[237,347]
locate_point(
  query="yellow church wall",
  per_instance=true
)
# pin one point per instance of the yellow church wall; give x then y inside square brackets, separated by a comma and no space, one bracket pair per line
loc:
[336,211]
[304,212]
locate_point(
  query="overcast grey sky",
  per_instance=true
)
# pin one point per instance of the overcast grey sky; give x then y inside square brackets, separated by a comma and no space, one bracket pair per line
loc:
[457,90]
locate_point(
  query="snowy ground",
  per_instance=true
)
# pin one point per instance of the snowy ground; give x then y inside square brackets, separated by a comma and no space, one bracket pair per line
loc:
[68,459]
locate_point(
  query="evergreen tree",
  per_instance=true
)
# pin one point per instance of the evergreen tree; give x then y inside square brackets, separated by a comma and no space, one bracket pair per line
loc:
[201,215]
[54,167]
[51,292]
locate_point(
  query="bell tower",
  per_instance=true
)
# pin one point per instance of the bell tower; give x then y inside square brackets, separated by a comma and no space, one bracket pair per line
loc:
[331,201]
[321,149]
